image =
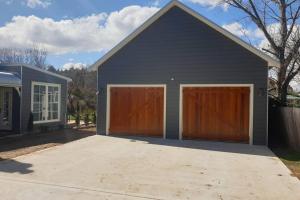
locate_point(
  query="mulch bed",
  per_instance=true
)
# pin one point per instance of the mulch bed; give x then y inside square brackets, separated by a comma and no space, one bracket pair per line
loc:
[11,147]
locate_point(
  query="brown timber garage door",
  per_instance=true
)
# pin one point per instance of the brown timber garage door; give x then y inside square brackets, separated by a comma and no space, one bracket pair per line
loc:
[216,113]
[137,111]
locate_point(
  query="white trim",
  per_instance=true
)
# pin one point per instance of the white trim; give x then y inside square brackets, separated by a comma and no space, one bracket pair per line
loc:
[10,85]
[33,83]
[164,86]
[37,69]
[271,61]
[251,86]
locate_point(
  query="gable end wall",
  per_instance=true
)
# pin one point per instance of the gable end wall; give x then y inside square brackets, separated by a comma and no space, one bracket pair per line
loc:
[180,46]
[30,75]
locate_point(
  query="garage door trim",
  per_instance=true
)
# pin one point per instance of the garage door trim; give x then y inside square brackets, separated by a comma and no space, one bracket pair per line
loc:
[109,86]
[251,87]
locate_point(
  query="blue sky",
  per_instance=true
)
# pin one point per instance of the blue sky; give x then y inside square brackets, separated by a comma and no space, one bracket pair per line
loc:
[78,32]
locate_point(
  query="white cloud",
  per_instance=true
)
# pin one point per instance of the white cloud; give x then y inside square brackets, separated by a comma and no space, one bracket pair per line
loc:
[72,65]
[237,29]
[211,3]
[97,32]
[8,2]
[38,3]
[156,3]
[252,35]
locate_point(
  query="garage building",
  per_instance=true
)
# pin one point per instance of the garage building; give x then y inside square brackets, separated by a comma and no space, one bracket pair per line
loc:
[181,76]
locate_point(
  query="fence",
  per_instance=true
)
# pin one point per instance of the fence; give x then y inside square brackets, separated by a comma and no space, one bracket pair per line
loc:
[284,126]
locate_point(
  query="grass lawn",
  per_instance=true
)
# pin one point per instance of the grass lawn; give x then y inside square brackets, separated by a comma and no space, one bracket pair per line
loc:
[11,147]
[290,158]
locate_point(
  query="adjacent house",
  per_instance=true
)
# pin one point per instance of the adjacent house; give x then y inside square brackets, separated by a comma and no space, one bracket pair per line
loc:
[26,89]
[181,76]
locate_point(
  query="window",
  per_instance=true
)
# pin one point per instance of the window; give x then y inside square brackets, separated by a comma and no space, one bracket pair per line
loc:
[45,104]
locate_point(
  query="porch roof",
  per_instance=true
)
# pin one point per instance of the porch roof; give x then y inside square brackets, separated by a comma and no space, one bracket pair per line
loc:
[9,79]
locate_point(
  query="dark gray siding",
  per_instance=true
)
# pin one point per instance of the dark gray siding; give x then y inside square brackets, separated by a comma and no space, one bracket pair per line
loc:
[30,75]
[180,46]
[16,111]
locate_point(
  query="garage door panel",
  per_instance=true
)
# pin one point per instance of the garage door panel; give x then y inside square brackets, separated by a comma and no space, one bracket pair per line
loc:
[136,111]
[216,113]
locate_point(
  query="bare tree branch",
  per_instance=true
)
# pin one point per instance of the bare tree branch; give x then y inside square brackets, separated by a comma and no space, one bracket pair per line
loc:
[33,56]
[278,20]
[255,18]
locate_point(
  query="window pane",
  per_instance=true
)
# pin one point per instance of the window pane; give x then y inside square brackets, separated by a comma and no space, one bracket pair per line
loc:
[55,115]
[36,89]
[36,107]
[55,107]
[56,97]
[42,89]
[50,98]
[50,89]
[35,116]
[36,98]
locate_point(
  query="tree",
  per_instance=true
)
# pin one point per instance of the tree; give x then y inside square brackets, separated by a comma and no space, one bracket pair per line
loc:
[279,22]
[35,56]
[86,119]
[81,91]
[94,118]
[51,68]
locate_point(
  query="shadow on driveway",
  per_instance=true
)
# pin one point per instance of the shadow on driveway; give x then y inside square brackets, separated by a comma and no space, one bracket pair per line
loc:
[206,145]
[13,166]
[11,147]
[29,140]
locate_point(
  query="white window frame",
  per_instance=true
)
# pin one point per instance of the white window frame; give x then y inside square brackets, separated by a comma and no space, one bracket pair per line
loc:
[59,100]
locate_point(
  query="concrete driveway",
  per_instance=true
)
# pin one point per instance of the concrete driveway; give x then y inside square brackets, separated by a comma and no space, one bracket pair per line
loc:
[101,167]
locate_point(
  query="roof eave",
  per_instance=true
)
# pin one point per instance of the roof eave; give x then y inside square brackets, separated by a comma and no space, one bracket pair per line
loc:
[38,69]
[47,72]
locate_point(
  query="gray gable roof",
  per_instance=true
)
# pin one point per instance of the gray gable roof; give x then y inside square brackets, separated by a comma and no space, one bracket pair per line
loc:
[38,69]
[10,79]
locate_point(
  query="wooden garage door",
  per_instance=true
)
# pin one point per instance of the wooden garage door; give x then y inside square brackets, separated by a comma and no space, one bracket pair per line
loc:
[216,113]
[137,111]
